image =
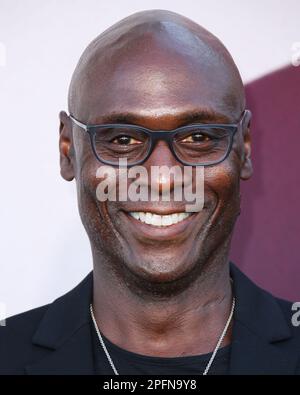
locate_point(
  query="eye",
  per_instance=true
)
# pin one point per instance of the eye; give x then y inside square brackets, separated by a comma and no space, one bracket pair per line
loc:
[125,140]
[196,138]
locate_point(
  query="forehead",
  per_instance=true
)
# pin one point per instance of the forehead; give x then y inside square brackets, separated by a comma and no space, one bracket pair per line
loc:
[156,76]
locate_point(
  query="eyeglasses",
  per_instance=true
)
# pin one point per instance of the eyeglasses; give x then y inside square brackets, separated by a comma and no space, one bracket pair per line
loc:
[192,145]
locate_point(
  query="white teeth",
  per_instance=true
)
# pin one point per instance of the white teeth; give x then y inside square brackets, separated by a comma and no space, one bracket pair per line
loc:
[156,220]
[135,215]
[175,218]
[142,216]
[159,220]
[148,218]
[166,220]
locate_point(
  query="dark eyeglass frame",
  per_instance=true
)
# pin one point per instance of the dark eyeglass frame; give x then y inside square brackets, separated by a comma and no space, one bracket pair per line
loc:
[166,135]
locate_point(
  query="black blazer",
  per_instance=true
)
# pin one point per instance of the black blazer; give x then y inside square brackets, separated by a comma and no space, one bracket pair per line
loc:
[56,339]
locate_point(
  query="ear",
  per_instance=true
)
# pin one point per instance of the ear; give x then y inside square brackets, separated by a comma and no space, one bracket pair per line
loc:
[66,147]
[246,166]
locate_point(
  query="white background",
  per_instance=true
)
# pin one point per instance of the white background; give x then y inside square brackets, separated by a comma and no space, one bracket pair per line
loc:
[44,251]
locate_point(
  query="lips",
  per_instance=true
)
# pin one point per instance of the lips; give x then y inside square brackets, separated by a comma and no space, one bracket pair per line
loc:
[157,219]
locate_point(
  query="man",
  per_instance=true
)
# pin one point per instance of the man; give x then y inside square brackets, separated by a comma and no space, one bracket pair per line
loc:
[163,297]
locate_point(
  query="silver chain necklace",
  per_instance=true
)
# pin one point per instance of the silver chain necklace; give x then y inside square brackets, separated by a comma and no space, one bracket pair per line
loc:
[209,362]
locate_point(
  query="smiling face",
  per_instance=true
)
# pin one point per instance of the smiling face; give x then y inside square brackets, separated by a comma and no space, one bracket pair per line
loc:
[154,70]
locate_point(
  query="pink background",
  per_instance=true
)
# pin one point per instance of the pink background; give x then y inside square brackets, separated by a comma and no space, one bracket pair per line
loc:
[267,236]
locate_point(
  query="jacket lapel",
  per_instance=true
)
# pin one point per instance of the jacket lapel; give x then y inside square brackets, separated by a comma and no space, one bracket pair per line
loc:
[65,332]
[252,355]
[75,357]
[260,332]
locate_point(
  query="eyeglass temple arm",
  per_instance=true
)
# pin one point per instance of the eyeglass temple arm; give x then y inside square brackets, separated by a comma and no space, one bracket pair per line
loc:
[247,114]
[80,124]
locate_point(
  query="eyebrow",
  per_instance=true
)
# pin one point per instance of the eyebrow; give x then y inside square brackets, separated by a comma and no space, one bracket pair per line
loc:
[204,116]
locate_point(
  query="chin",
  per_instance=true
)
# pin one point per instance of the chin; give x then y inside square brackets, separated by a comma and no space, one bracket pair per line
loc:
[160,277]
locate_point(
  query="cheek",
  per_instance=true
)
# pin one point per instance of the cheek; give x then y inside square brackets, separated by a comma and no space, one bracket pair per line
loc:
[93,212]
[222,184]
[86,168]
[87,180]
[86,184]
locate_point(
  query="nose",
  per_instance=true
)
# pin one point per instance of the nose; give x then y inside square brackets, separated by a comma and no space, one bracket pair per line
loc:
[170,175]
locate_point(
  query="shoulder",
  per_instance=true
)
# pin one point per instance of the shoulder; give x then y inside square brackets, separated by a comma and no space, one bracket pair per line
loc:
[272,321]
[291,316]
[16,340]
[30,336]
[25,321]
[291,312]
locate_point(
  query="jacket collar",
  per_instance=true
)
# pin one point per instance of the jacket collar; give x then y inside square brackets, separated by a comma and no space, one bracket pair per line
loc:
[259,324]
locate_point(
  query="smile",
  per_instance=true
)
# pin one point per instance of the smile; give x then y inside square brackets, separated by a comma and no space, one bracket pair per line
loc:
[159,220]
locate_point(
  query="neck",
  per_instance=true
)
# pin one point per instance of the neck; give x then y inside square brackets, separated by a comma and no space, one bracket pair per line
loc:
[188,323]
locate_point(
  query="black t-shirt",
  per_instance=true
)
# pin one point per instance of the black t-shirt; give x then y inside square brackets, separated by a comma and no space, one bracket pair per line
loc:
[129,363]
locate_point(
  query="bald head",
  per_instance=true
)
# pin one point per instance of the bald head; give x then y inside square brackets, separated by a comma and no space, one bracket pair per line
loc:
[147,60]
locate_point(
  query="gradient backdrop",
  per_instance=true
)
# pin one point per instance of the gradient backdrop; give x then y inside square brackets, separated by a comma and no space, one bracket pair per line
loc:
[44,250]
